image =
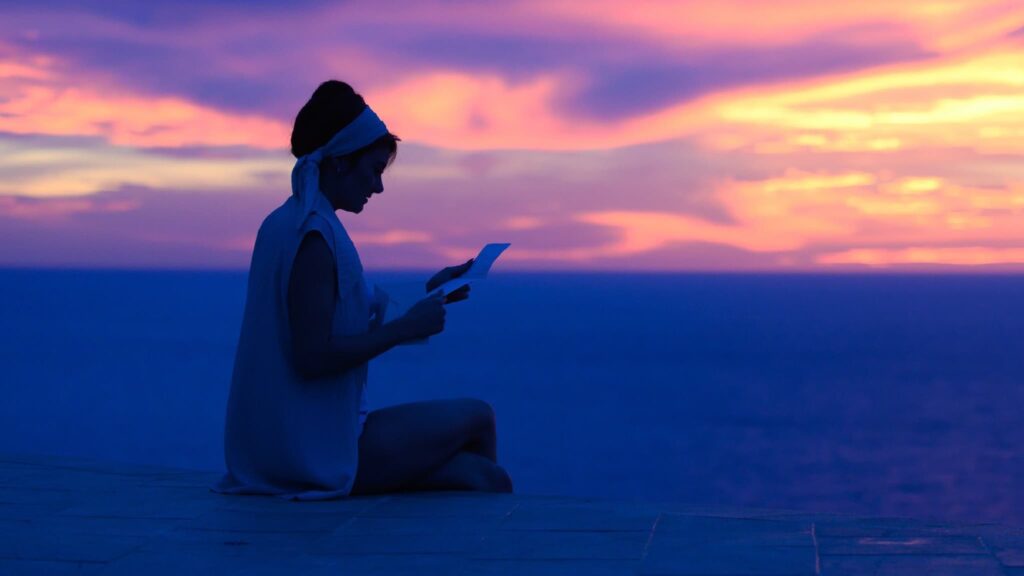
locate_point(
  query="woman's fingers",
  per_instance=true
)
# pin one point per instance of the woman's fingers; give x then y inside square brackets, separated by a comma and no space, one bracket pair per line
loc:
[458,294]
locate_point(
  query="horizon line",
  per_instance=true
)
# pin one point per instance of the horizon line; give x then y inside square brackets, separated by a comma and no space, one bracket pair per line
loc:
[931,270]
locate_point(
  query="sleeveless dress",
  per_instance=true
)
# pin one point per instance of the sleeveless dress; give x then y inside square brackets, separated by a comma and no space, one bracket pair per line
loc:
[284,435]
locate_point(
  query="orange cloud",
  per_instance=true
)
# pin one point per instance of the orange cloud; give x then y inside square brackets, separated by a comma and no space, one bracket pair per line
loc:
[889,108]
[974,101]
[39,100]
[967,255]
[75,170]
[938,24]
[391,237]
[128,120]
[59,210]
[767,220]
[465,111]
[473,112]
[521,223]
[800,210]
[910,155]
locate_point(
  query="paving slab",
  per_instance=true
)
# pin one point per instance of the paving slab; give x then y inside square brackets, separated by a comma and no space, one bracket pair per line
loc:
[906,544]
[563,545]
[549,567]
[910,565]
[50,568]
[729,560]
[552,516]
[80,516]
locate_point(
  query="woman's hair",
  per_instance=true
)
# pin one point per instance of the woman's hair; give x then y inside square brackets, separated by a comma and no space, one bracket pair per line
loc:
[333,105]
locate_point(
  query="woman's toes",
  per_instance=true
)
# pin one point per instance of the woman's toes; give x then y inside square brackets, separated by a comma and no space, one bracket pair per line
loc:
[500,480]
[508,480]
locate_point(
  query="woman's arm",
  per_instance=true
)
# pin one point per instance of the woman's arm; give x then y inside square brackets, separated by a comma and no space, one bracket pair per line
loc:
[312,292]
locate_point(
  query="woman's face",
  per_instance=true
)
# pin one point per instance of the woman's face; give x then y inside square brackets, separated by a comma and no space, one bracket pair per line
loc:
[347,184]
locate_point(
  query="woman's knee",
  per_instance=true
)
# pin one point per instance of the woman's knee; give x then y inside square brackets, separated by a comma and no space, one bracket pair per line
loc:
[480,415]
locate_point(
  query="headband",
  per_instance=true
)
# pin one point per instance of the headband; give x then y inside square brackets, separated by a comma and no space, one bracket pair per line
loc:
[361,132]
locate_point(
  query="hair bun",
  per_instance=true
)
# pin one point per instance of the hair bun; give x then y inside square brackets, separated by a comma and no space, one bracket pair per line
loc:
[333,105]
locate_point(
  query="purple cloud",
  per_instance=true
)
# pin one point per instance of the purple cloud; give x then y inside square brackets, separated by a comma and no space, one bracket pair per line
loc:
[629,75]
[257,64]
[165,229]
[697,256]
[618,91]
[552,236]
[137,226]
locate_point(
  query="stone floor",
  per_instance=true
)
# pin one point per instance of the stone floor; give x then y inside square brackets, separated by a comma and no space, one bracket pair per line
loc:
[72,516]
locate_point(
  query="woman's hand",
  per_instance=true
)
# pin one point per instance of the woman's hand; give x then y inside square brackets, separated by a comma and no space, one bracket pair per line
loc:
[424,318]
[378,307]
[460,293]
[449,273]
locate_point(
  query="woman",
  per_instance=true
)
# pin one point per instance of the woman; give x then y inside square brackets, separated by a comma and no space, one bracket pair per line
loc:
[297,424]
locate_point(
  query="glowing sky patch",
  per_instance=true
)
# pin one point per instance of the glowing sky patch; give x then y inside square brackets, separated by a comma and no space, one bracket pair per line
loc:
[732,134]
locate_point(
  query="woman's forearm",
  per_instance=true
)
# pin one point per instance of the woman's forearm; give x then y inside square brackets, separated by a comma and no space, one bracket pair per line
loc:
[343,353]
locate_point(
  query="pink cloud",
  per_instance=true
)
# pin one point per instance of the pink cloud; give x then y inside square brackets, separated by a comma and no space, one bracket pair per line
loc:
[767,134]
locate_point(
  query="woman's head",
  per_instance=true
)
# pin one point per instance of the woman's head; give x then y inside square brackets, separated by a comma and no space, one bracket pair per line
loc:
[349,180]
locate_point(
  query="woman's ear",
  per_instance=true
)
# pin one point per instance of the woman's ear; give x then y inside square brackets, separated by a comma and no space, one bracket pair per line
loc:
[342,164]
[328,174]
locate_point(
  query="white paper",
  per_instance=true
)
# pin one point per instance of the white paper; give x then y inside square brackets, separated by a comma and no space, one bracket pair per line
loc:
[478,271]
[401,296]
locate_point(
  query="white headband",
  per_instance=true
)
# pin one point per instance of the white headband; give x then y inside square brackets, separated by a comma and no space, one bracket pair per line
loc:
[359,133]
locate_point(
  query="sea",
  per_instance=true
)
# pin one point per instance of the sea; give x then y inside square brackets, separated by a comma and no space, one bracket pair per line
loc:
[874,394]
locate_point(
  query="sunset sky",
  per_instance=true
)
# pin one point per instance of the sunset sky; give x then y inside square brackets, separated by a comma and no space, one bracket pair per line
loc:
[591,135]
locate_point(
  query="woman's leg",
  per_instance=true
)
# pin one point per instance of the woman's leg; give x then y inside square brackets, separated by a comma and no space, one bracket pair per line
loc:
[466,471]
[403,446]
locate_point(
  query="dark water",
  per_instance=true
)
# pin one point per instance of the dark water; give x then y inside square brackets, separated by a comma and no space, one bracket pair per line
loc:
[890,395]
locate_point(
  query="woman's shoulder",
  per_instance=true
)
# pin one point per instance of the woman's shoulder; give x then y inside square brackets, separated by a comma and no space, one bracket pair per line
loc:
[282,223]
[277,234]
[275,221]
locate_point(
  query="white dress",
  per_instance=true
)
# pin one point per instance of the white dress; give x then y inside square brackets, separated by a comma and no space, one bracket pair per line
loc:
[284,435]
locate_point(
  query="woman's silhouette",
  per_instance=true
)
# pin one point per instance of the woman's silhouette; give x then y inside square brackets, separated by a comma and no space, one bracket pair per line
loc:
[297,424]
